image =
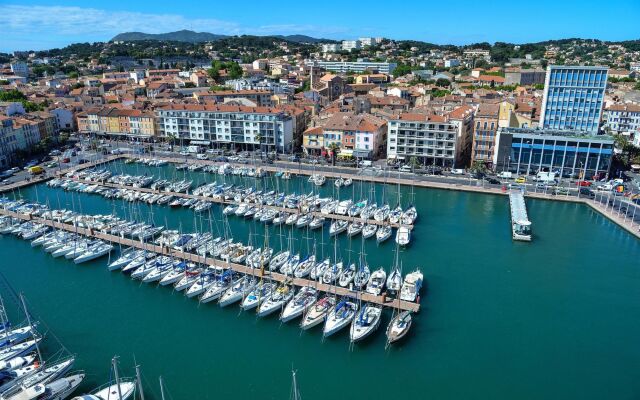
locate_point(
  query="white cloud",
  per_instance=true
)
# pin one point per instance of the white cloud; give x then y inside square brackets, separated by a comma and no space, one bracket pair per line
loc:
[77,23]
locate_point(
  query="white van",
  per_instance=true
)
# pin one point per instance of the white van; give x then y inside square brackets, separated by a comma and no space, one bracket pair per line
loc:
[457,171]
[505,175]
[365,163]
[405,168]
[545,177]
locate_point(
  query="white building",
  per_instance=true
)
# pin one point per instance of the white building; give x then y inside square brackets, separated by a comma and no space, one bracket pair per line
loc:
[622,119]
[477,53]
[356,66]
[452,62]
[20,68]
[331,47]
[349,45]
[370,41]
[64,118]
[227,125]
[432,139]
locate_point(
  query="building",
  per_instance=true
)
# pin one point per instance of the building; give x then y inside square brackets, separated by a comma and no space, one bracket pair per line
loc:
[635,67]
[117,75]
[431,139]
[112,121]
[357,66]
[16,134]
[355,135]
[622,119]
[20,68]
[349,45]
[259,98]
[485,126]
[162,73]
[331,47]
[227,125]
[329,86]
[451,62]
[370,41]
[573,98]
[477,53]
[524,77]
[569,154]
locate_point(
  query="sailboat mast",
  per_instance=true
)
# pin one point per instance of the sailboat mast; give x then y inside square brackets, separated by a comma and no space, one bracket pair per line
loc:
[33,333]
[114,362]
[161,388]
[139,381]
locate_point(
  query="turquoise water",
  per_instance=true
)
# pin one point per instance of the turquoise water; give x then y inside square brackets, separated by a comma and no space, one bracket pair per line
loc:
[555,318]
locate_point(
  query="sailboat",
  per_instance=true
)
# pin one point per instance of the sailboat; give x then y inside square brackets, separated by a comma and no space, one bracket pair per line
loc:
[276,301]
[366,321]
[339,317]
[119,389]
[317,313]
[399,327]
[299,304]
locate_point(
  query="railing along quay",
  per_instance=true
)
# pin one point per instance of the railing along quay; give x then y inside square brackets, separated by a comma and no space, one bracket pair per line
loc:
[261,273]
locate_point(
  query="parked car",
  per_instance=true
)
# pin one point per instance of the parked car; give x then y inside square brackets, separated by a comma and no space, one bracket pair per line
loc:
[492,180]
[583,183]
[505,175]
[404,168]
[521,179]
[585,191]
[66,160]
[55,152]
[83,161]
[457,171]
[562,190]
[201,156]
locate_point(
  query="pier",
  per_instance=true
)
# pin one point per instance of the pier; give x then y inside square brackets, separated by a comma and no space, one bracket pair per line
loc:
[224,202]
[520,224]
[209,261]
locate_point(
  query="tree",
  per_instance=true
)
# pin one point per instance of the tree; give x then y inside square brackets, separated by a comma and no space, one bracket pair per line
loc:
[478,167]
[413,162]
[334,150]
[443,82]
[213,73]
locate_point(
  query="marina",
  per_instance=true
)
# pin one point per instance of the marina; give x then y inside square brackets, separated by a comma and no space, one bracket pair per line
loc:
[448,327]
[452,278]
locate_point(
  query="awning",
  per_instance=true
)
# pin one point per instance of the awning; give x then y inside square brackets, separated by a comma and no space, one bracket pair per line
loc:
[200,142]
[346,152]
[361,153]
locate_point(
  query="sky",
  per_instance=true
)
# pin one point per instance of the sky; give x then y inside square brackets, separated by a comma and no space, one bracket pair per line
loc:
[37,25]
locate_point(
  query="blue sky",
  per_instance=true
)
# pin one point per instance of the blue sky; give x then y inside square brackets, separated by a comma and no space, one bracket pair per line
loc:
[45,24]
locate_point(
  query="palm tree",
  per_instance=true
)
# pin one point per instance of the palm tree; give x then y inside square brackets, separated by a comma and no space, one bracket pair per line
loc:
[334,148]
[258,139]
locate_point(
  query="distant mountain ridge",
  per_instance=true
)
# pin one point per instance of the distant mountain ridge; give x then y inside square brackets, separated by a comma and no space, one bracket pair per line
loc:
[197,37]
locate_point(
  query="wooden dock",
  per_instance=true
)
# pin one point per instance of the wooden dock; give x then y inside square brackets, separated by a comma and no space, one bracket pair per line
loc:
[263,273]
[233,202]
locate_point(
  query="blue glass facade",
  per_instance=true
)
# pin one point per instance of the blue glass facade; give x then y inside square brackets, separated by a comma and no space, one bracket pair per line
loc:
[529,151]
[573,98]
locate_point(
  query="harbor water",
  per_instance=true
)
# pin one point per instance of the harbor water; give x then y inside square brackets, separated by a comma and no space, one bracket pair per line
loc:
[555,318]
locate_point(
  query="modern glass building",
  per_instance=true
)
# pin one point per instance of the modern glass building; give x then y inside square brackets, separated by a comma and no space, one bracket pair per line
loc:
[573,97]
[567,153]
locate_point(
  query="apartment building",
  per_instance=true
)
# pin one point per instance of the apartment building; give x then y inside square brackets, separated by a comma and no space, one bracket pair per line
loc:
[16,134]
[356,66]
[355,135]
[432,139]
[349,45]
[485,126]
[259,97]
[573,98]
[112,121]
[622,119]
[331,48]
[228,125]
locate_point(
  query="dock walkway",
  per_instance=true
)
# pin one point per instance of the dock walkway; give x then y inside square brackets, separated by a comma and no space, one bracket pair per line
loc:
[520,224]
[263,273]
